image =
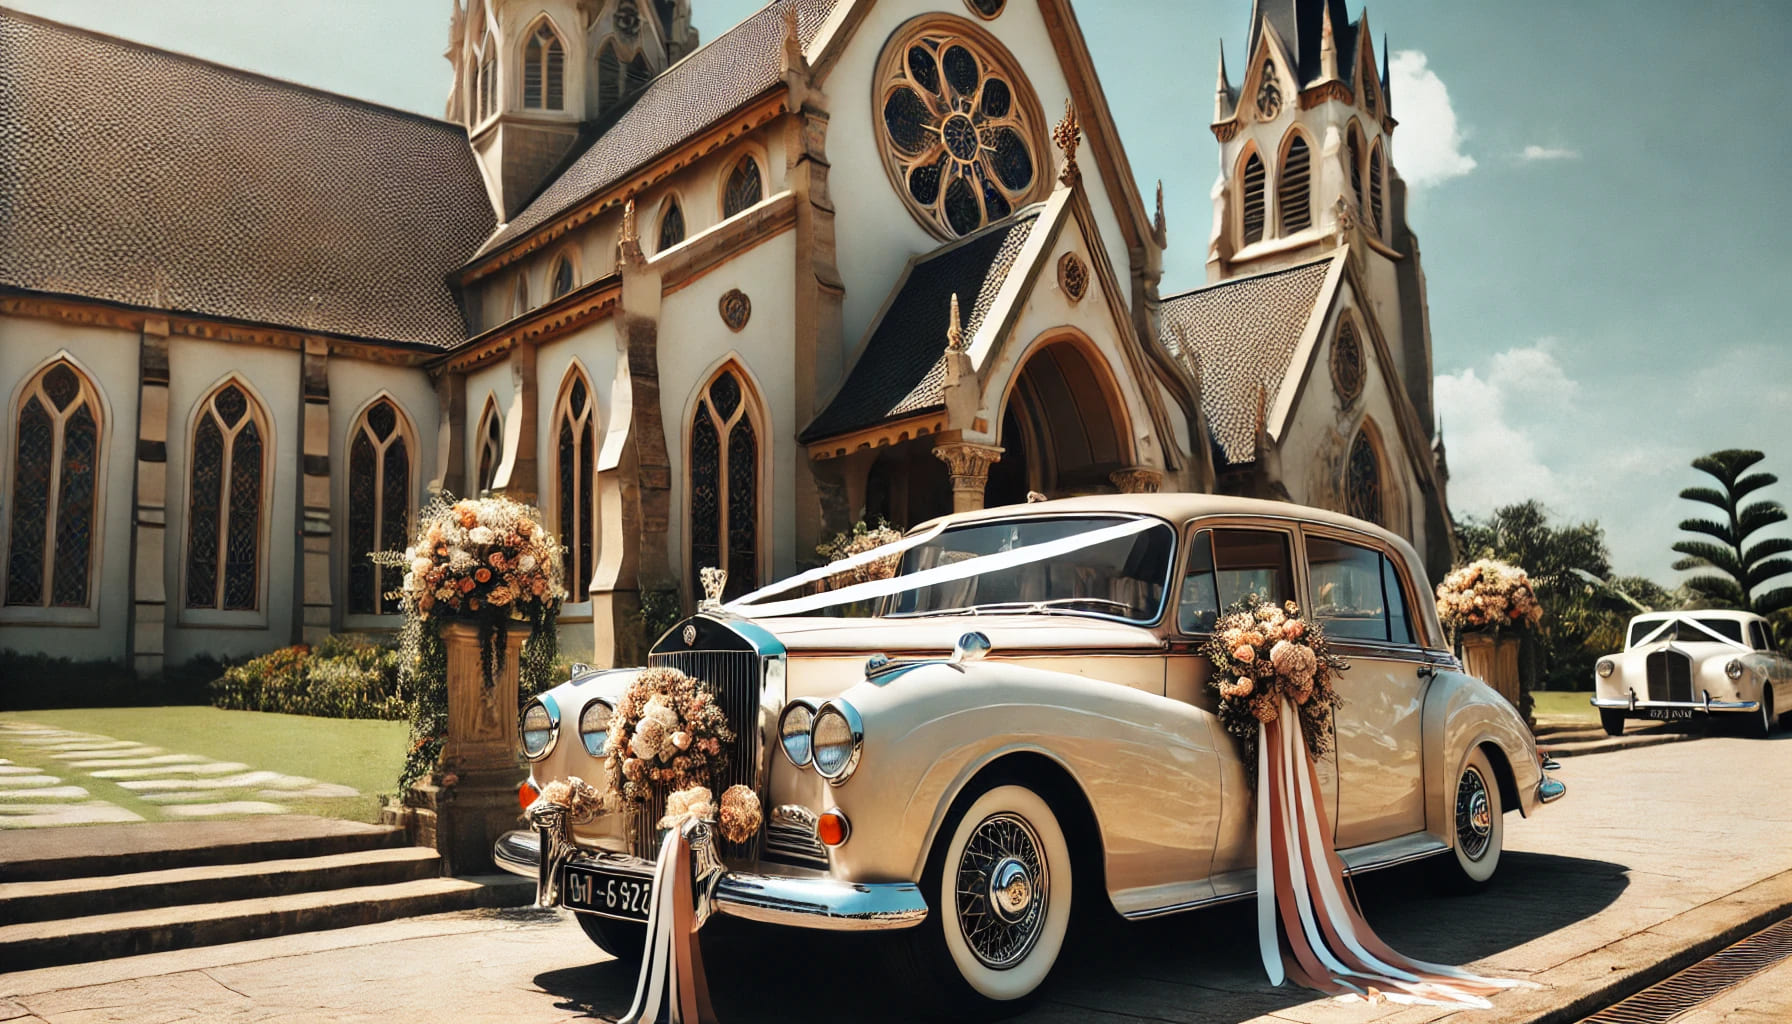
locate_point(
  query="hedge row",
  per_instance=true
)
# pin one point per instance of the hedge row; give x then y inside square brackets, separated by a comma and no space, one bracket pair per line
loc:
[345,676]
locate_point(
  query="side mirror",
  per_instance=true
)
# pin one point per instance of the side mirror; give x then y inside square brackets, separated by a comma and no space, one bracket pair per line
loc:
[971,646]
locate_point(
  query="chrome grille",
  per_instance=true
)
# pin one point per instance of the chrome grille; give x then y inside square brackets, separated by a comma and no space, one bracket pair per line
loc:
[790,837]
[734,677]
[1670,676]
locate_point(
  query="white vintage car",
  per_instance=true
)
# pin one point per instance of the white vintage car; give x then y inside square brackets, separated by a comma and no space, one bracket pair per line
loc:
[955,769]
[1676,665]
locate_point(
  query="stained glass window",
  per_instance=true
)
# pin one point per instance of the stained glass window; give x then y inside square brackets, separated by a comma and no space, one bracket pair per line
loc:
[491,445]
[744,188]
[609,79]
[1347,363]
[960,128]
[575,463]
[560,278]
[224,516]
[544,70]
[671,226]
[55,490]
[724,469]
[1362,483]
[379,505]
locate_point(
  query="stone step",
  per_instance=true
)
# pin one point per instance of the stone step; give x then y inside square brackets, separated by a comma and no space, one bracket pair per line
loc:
[36,855]
[67,898]
[1628,741]
[37,944]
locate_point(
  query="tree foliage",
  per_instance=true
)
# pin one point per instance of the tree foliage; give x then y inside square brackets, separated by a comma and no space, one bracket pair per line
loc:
[1734,566]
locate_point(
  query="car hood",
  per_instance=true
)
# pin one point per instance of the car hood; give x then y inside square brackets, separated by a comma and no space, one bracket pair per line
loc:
[1007,634]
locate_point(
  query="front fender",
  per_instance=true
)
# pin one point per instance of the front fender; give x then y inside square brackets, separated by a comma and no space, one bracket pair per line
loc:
[1146,764]
[1461,713]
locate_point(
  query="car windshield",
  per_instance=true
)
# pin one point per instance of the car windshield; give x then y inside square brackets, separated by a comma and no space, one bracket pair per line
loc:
[1121,578]
[1685,630]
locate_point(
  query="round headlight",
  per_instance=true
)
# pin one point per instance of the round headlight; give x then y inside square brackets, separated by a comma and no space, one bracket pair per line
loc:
[594,727]
[540,726]
[835,741]
[1606,668]
[793,731]
[1734,668]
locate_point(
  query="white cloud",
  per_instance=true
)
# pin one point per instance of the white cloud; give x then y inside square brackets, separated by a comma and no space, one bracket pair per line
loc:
[1493,458]
[1430,142]
[1534,153]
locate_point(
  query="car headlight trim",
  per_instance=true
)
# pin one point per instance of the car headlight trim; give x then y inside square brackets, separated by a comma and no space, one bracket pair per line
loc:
[1734,669]
[836,741]
[1606,667]
[594,725]
[794,726]
[539,727]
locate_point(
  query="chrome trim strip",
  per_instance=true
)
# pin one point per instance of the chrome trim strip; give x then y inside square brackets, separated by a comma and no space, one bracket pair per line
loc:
[1430,850]
[827,904]
[1609,704]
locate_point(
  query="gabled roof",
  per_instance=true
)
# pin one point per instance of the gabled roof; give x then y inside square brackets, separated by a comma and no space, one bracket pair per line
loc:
[682,101]
[1241,337]
[902,368]
[133,175]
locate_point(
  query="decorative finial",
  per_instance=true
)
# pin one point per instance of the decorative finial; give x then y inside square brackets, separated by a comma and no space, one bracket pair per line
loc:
[628,223]
[1157,222]
[1068,134]
[793,41]
[954,331]
[1222,91]
[714,581]
[1328,47]
[1344,212]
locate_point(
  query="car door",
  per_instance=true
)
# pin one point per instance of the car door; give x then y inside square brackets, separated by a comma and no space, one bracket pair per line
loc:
[1359,596]
[1227,561]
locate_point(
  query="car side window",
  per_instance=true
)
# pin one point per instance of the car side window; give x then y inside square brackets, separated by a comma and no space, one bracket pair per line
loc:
[1356,592]
[1757,636]
[1226,566]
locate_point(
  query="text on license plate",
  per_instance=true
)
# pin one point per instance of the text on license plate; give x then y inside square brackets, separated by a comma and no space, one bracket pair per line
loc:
[612,895]
[1670,713]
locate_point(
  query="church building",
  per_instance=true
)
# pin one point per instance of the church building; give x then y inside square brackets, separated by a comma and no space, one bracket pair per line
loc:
[704,303]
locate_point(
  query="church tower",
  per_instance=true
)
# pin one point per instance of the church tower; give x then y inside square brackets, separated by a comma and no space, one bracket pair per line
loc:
[1306,166]
[532,79]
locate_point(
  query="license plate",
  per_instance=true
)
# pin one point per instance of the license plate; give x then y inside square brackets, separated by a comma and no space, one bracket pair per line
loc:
[611,894]
[1668,714]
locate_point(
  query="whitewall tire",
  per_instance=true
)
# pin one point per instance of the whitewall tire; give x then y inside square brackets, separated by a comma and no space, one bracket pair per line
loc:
[1477,827]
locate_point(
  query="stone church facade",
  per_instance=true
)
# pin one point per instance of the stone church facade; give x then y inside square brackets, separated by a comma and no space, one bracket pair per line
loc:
[704,304]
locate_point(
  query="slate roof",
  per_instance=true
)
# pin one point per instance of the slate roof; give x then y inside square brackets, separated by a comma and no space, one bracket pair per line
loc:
[1301,25]
[902,369]
[1240,337]
[682,101]
[134,175]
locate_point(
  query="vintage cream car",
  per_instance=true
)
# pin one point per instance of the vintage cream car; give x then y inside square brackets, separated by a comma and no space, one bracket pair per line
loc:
[955,769]
[1676,665]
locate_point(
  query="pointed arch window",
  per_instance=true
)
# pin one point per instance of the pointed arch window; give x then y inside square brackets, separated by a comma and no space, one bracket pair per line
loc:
[639,73]
[724,467]
[560,278]
[1354,153]
[379,505]
[1376,174]
[544,69]
[1252,207]
[609,79]
[671,226]
[1294,193]
[55,490]
[575,473]
[744,187]
[520,298]
[227,464]
[491,446]
[1362,481]
[485,80]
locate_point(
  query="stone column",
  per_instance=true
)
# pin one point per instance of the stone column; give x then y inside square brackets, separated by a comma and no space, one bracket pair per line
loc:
[517,475]
[451,435]
[1137,480]
[462,808]
[969,464]
[147,642]
[317,606]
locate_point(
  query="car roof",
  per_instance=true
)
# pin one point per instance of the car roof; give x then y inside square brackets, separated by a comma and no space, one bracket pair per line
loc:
[1703,613]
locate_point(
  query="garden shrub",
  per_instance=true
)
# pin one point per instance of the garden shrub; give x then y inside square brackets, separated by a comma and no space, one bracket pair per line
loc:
[30,682]
[346,676]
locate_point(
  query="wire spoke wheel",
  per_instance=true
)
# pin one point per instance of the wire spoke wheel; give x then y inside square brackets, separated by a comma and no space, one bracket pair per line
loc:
[1474,814]
[1003,890]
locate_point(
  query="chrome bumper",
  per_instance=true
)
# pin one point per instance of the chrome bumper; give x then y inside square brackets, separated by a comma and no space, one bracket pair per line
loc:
[1707,705]
[824,903]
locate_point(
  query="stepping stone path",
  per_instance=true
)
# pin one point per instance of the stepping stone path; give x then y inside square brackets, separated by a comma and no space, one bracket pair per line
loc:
[179,786]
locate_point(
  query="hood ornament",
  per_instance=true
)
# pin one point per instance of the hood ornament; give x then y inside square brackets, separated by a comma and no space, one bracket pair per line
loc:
[714,581]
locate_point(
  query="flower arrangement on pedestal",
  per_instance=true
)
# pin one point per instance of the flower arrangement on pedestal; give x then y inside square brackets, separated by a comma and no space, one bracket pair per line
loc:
[1487,594]
[1262,652]
[667,732]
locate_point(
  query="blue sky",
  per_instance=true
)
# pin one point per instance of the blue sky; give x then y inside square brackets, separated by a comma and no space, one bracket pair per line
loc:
[1603,213]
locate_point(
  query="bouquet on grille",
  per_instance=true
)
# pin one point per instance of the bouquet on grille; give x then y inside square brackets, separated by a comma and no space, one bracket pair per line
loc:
[1487,595]
[1263,652]
[667,733]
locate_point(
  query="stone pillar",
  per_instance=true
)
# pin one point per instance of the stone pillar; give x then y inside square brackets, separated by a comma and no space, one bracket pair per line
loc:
[517,475]
[316,604]
[1137,480]
[451,435]
[462,808]
[969,464]
[148,639]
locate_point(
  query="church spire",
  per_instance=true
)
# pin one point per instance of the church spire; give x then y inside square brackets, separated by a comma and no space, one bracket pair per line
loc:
[1328,48]
[1222,92]
[1387,92]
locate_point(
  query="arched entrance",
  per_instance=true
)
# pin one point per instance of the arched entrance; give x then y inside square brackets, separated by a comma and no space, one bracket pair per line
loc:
[1063,427]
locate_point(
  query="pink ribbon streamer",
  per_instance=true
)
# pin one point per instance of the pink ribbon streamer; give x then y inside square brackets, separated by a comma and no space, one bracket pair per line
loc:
[672,964]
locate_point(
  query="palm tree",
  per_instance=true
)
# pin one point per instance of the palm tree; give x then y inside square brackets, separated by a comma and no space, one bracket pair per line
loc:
[1739,568]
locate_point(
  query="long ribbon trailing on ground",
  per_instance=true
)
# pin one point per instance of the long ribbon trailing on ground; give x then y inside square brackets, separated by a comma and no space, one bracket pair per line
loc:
[1329,947]
[672,964]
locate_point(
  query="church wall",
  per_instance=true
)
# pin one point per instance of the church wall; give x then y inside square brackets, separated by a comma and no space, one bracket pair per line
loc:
[195,367]
[875,231]
[110,359]
[489,381]
[594,350]
[693,344]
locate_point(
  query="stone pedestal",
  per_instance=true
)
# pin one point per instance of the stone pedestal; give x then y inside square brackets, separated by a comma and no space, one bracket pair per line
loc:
[471,799]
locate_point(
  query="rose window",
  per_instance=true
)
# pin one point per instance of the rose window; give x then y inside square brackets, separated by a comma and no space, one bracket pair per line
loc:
[960,128]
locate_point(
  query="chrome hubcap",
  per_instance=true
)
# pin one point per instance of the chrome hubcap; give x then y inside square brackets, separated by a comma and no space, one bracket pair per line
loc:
[1001,891]
[1474,815]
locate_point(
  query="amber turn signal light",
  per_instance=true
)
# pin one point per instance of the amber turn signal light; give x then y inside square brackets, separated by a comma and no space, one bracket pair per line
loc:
[526,794]
[832,828]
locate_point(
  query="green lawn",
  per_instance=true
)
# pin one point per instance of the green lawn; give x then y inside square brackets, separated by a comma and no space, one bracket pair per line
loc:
[1564,703]
[362,753]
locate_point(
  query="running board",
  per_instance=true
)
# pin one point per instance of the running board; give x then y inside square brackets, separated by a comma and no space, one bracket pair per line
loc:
[1240,885]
